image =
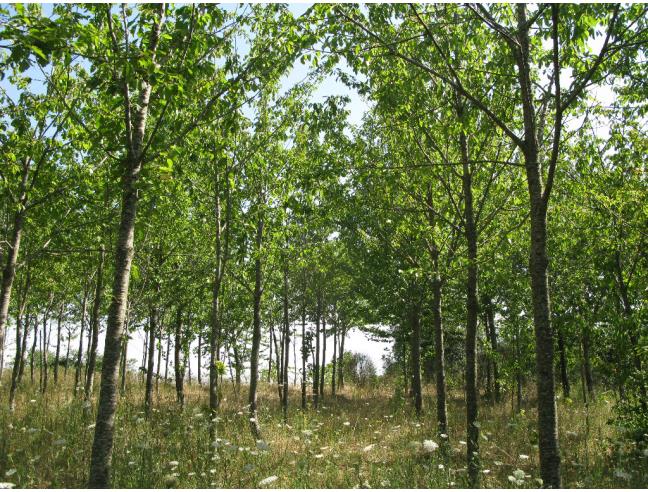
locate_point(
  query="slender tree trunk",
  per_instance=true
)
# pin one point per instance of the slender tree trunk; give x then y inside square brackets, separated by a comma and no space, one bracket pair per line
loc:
[492,334]
[304,354]
[286,345]
[166,357]
[272,336]
[94,326]
[341,361]
[158,372]
[124,368]
[587,365]
[316,359]
[33,349]
[323,365]
[150,366]
[415,347]
[177,358]
[16,366]
[334,360]
[256,333]
[11,258]
[199,359]
[67,353]
[472,313]
[58,344]
[564,377]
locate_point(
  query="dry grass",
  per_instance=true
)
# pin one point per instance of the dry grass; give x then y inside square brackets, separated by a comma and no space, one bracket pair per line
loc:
[47,442]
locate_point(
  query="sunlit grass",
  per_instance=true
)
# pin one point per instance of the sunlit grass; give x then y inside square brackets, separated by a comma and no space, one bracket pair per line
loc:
[362,438]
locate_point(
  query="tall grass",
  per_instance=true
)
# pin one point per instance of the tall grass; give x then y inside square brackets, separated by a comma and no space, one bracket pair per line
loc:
[365,437]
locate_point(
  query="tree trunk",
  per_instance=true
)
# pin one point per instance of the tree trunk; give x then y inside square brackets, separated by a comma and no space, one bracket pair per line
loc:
[587,365]
[124,368]
[304,354]
[334,360]
[33,349]
[158,372]
[102,446]
[415,347]
[286,345]
[341,359]
[9,271]
[177,359]
[256,333]
[316,358]
[538,267]
[199,359]
[323,365]
[564,377]
[22,330]
[58,344]
[492,334]
[270,355]
[94,325]
[166,358]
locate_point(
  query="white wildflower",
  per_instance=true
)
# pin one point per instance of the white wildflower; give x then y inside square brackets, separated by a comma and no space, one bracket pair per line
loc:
[440,466]
[318,456]
[443,436]
[8,473]
[268,481]
[429,446]
[524,456]
[463,443]
[347,423]
[366,449]
[7,485]
[519,474]
[485,472]
[173,463]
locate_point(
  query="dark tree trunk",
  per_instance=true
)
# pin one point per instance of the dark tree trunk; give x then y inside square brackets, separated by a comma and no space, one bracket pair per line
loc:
[286,344]
[177,359]
[150,366]
[415,348]
[334,360]
[94,326]
[158,372]
[166,357]
[492,334]
[316,358]
[256,332]
[67,353]
[124,368]
[58,344]
[472,313]
[323,364]
[304,354]
[538,267]
[199,359]
[587,364]
[564,377]
[341,359]
[33,349]
[22,330]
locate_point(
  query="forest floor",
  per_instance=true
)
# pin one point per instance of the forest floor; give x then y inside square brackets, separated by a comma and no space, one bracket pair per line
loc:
[361,438]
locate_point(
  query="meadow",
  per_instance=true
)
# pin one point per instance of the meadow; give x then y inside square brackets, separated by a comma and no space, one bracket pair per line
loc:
[362,438]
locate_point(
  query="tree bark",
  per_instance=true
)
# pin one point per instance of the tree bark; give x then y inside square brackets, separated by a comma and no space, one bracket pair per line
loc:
[492,334]
[334,360]
[538,268]
[415,347]
[256,331]
[21,343]
[323,365]
[33,349]
[177,358]
[564,377]
[286,346]
[304,354]
[94,325]
[316,358]
[341,361]
[58,344]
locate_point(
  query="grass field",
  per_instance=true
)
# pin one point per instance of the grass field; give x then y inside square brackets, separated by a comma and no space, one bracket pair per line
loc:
[362,438]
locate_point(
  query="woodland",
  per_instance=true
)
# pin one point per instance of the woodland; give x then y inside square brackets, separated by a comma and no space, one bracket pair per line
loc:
[178,174]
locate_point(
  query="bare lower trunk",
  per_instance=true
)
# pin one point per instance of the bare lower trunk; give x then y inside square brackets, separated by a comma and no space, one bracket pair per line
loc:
[492,335]
[304,354]
[256,334]
[94,326]
[323,365]
[58,344]
[415,348]
[124,368]
[33,349]
[286,345]
[341,359]
[334,360]
[564,377]
[316,357]
[177,359]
